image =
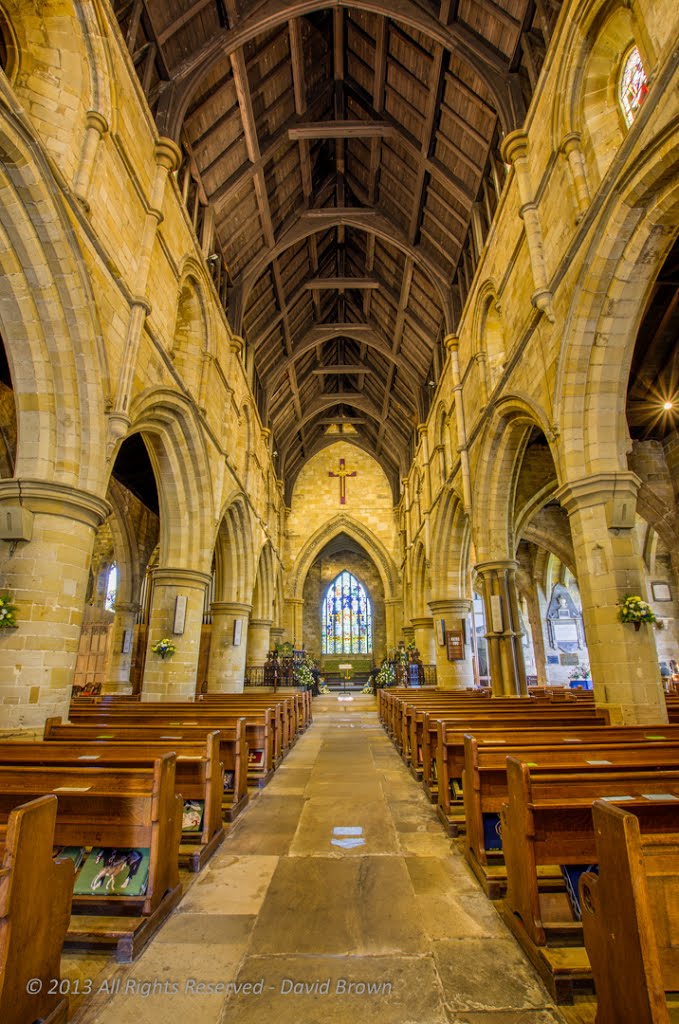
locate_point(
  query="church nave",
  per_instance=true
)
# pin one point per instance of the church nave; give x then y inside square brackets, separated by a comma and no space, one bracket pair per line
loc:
[338,874]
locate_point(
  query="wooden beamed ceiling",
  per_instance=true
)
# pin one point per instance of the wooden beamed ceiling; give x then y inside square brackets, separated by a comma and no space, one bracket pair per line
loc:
[349,154]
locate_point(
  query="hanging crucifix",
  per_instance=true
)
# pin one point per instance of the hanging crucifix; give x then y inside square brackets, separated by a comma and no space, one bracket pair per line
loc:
[343,474]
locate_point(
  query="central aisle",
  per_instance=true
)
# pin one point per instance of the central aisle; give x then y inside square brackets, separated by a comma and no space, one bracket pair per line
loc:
[338,878]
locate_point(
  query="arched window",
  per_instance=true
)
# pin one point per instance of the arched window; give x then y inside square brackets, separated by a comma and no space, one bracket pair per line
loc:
[633,85]
[347,617]
[111,587]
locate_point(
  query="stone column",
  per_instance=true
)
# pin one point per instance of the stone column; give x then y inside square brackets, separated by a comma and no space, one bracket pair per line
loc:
[121,661]
[47,578]
[168,158]
[515,152]
[259,641]
[296,620]
[454,675]
[226,667]
[277,634]
[425,641]
[96,127]
[174,677]
[624,661]
[537,626]
[570,147]
[503,626]
[392,612]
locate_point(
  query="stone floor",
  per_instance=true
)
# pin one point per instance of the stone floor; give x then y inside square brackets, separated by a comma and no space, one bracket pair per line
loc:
[335,895]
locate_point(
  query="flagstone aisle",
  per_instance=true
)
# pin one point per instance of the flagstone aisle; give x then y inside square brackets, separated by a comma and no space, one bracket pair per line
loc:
[339,873]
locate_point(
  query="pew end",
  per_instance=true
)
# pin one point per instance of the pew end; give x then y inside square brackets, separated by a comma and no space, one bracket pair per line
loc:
[35,905]
[630,916]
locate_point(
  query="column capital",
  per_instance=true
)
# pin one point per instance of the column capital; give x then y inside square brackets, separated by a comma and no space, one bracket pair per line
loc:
[452,342]
[422,429]
[570,141]
[191,578]
[230,608]
[617,491]
[458,606]
[236,344]
[51,498]
[167,154]
[97,121]
[264,623]
[126,607]
[496,565]
[514,146]
[422,622]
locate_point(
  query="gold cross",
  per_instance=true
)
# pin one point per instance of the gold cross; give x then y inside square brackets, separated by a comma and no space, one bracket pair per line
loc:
[343,474]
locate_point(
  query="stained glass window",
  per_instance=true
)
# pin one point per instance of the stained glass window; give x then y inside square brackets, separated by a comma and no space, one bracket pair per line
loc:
[633,85]
[347,617]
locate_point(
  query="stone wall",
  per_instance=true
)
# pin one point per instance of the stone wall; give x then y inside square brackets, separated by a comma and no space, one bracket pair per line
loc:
[321,574]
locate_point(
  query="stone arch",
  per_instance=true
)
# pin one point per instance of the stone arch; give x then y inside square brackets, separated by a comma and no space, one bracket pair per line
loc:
[450,540]
[234,552]
[586,106]
[489,336]
[420,586]
[171,432]
[607,308]
[264,593]
[443,445]
[57,28]
[497,468]
[373,547]
[57,359]
[125,546]
[190,342]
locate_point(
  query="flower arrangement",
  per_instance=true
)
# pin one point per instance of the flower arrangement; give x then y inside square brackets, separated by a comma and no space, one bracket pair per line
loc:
[635,610]
[303,674]
[8,612]
[579,672]
[164,647]
[386,675]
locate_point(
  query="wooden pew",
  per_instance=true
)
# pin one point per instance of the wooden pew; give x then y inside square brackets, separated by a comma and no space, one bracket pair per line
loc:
[485,787]
[450,751]
[198,776]
[178,714]
[262,728]
[547,820]
[35,907]
[419,742]
[120,808]
[630,915]
[233,749]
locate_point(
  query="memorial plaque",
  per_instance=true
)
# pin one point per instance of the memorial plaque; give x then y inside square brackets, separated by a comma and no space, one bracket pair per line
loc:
[455,643]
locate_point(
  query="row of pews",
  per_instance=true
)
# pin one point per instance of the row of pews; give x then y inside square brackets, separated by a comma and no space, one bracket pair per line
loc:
[570,823]
[146,789]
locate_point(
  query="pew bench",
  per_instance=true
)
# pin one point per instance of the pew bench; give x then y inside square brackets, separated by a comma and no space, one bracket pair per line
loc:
[35,907]
[485,789]
[547,820]
[233,748]
[450,752]
[264,731]
[118,808]
[630,916]
[198,777]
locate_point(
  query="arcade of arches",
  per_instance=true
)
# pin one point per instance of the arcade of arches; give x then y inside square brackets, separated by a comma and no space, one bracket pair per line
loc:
[238,359]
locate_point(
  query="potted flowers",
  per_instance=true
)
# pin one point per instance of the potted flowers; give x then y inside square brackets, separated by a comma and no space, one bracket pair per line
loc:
[635,610]
[8,612]
[164,648]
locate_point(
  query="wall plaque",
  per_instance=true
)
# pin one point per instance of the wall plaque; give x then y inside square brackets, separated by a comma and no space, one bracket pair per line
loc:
[237,632]
[455,644]
[179,614]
